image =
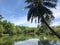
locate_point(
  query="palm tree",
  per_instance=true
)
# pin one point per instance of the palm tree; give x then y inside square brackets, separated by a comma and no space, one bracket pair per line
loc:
[40,9]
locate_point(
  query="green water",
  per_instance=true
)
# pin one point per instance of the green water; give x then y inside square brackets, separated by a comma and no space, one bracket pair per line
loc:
[18,39]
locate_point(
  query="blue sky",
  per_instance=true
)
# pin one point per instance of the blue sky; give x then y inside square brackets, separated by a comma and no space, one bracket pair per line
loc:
[13,11]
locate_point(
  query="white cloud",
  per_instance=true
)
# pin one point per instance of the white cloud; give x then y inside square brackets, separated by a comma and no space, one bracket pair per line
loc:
[20,20]
[56,12]
[55,23]
[23,22]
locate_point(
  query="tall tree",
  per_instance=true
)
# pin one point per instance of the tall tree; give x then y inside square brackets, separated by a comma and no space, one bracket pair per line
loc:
[9,27]
[40,9]
[1,29]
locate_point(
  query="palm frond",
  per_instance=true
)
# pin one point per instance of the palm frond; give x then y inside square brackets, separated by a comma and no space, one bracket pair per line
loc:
[28,1]
[31,19]
[48,4]
[51,1]
[47,11]
[29,14]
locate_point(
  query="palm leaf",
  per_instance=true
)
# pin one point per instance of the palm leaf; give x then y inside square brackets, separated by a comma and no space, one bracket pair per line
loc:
[48,4]
[29,14]
[51,0]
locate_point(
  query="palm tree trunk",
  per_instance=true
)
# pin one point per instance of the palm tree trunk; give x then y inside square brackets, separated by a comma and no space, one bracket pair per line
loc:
[50,28]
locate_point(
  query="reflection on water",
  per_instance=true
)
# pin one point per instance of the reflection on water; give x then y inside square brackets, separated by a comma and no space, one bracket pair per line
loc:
[28,42]
[36,42]
[20,40]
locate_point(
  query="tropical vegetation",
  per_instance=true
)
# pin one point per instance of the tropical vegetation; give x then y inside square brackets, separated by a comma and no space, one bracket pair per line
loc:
[9,29]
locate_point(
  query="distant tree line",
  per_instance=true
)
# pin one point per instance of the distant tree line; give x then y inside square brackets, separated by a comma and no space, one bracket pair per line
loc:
[11,29]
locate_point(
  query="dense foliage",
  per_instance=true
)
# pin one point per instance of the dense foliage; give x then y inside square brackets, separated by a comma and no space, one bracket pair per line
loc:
[8,28]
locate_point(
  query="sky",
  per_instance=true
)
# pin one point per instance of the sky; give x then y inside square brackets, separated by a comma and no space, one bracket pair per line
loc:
[13,11]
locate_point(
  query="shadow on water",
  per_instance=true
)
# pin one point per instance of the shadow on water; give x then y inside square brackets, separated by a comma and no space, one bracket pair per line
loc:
[21,40]
[47,42]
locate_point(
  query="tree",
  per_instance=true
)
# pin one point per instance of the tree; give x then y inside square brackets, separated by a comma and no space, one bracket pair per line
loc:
[40,9]
[1,26]
[1,17]
[9,27]
[18,29]
[1,30]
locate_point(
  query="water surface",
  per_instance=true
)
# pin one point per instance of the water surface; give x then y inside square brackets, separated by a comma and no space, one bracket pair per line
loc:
[22,40]
[27,42]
